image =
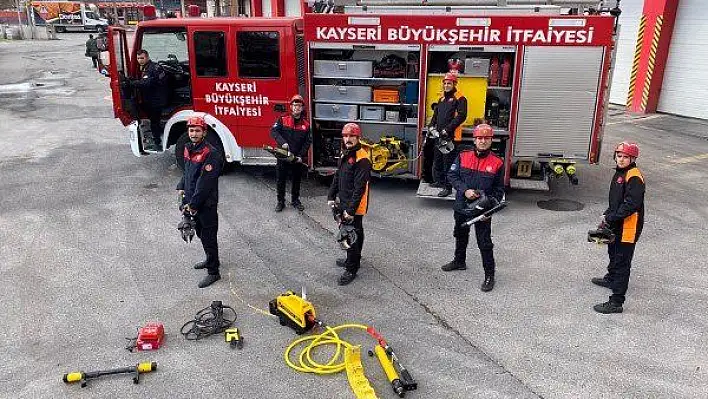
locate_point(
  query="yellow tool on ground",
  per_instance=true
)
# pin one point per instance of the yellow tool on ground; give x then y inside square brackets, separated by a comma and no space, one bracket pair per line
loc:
[83,377]
[233,337]
[299,314]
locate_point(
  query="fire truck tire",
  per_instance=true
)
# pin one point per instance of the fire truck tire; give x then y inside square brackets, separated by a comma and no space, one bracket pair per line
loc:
[60,29]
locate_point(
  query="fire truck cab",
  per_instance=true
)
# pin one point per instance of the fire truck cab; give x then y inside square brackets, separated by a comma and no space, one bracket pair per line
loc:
[537,74]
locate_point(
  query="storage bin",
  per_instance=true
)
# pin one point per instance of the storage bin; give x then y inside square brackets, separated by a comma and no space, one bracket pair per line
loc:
[371,112]
[411,93]
[478,67]
[336,111]
[343,93]
[392,116]
[354,69]
[386,95]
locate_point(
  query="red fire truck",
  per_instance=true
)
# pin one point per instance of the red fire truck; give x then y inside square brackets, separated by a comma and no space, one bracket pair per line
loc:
[539,74]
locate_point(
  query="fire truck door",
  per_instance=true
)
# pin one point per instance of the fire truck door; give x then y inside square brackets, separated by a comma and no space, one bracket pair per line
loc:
[124,102]
[266,69]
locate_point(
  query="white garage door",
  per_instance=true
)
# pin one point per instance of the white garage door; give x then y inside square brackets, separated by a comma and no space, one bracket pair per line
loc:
[686,75]
[629,25]
[293,8]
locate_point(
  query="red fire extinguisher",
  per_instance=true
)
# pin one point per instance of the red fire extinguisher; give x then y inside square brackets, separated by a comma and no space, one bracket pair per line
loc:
[506,72]
[494,72]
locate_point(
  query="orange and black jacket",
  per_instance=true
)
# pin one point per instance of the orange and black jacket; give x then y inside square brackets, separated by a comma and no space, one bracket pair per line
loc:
[295,132]
[477,171]
[626,211]
[450,112]
[200,181]
[351,182]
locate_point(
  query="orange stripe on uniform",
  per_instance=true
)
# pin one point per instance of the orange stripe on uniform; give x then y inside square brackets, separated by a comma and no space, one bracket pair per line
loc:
[629,228]
[364,203]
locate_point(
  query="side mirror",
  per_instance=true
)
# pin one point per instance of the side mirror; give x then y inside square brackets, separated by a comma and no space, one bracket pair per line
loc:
[279,108]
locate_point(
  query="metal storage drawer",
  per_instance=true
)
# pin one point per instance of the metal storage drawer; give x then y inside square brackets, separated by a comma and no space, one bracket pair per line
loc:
[477,67]
[371,112]
[336,111]
[343,93]
[355,69]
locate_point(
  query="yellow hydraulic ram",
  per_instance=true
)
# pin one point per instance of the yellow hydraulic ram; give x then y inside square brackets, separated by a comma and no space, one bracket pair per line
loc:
[390,370]
[83,377]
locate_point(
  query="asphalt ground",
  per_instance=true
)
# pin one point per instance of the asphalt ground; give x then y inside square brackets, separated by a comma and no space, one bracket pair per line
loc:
[90,251]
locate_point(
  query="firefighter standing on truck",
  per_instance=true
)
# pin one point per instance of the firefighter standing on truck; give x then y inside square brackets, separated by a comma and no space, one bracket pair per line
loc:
[153,94]
[199,188]
[350,189]
[476,174]
[448,114]
[625,217]
[292,133]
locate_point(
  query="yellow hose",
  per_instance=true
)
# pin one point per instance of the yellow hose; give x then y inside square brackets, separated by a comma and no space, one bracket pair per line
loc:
[306,364]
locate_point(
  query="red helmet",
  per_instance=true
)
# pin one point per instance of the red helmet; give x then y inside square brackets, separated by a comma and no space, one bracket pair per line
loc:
[631,149]
[483,130]
[297,99]
[351,129]
[451,77]
[196,120]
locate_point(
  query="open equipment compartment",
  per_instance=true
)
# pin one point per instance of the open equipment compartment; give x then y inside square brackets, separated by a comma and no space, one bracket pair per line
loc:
[376,86]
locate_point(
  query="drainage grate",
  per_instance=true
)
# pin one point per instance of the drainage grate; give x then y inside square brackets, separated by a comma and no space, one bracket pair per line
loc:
[561,205]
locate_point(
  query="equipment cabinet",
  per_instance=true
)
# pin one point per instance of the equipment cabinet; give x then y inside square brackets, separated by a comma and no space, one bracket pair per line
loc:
[381,82]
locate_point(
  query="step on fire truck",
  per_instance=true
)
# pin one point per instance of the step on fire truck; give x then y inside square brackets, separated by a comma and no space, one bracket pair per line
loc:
[539,73]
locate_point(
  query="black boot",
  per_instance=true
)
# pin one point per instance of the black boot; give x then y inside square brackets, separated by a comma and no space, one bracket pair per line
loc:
[488,284]
[298,205]
[201,265]
[608,307]
[341,262]
[444,192]
[454,265]
[209,280]
[346,278]
[279,207]
[602,282]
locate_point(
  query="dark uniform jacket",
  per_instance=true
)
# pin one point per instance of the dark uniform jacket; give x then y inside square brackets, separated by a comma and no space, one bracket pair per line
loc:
[92,48]
[626,211]
[482,172]
[351,182]
[295,132]
[152,85]
[450,112]
[200,181]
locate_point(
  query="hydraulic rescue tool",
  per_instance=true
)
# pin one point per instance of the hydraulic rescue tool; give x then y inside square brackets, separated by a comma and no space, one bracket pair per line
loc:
[480,208]
[187,225]
[299,314]
[444,144]
[83,377]
[281,153]
[208,321]
[346,236]
[601,235]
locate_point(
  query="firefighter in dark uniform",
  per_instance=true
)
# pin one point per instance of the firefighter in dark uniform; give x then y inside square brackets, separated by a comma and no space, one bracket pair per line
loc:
[350,188]
[449,113]
[153,94]
[292,133]
[625,217]
[199,188]
[476,173]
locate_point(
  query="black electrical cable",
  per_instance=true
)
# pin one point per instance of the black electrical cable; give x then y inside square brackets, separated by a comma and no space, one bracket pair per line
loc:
[208,321]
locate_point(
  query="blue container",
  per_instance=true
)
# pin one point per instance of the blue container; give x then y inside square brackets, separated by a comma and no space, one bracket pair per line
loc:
[411,92]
